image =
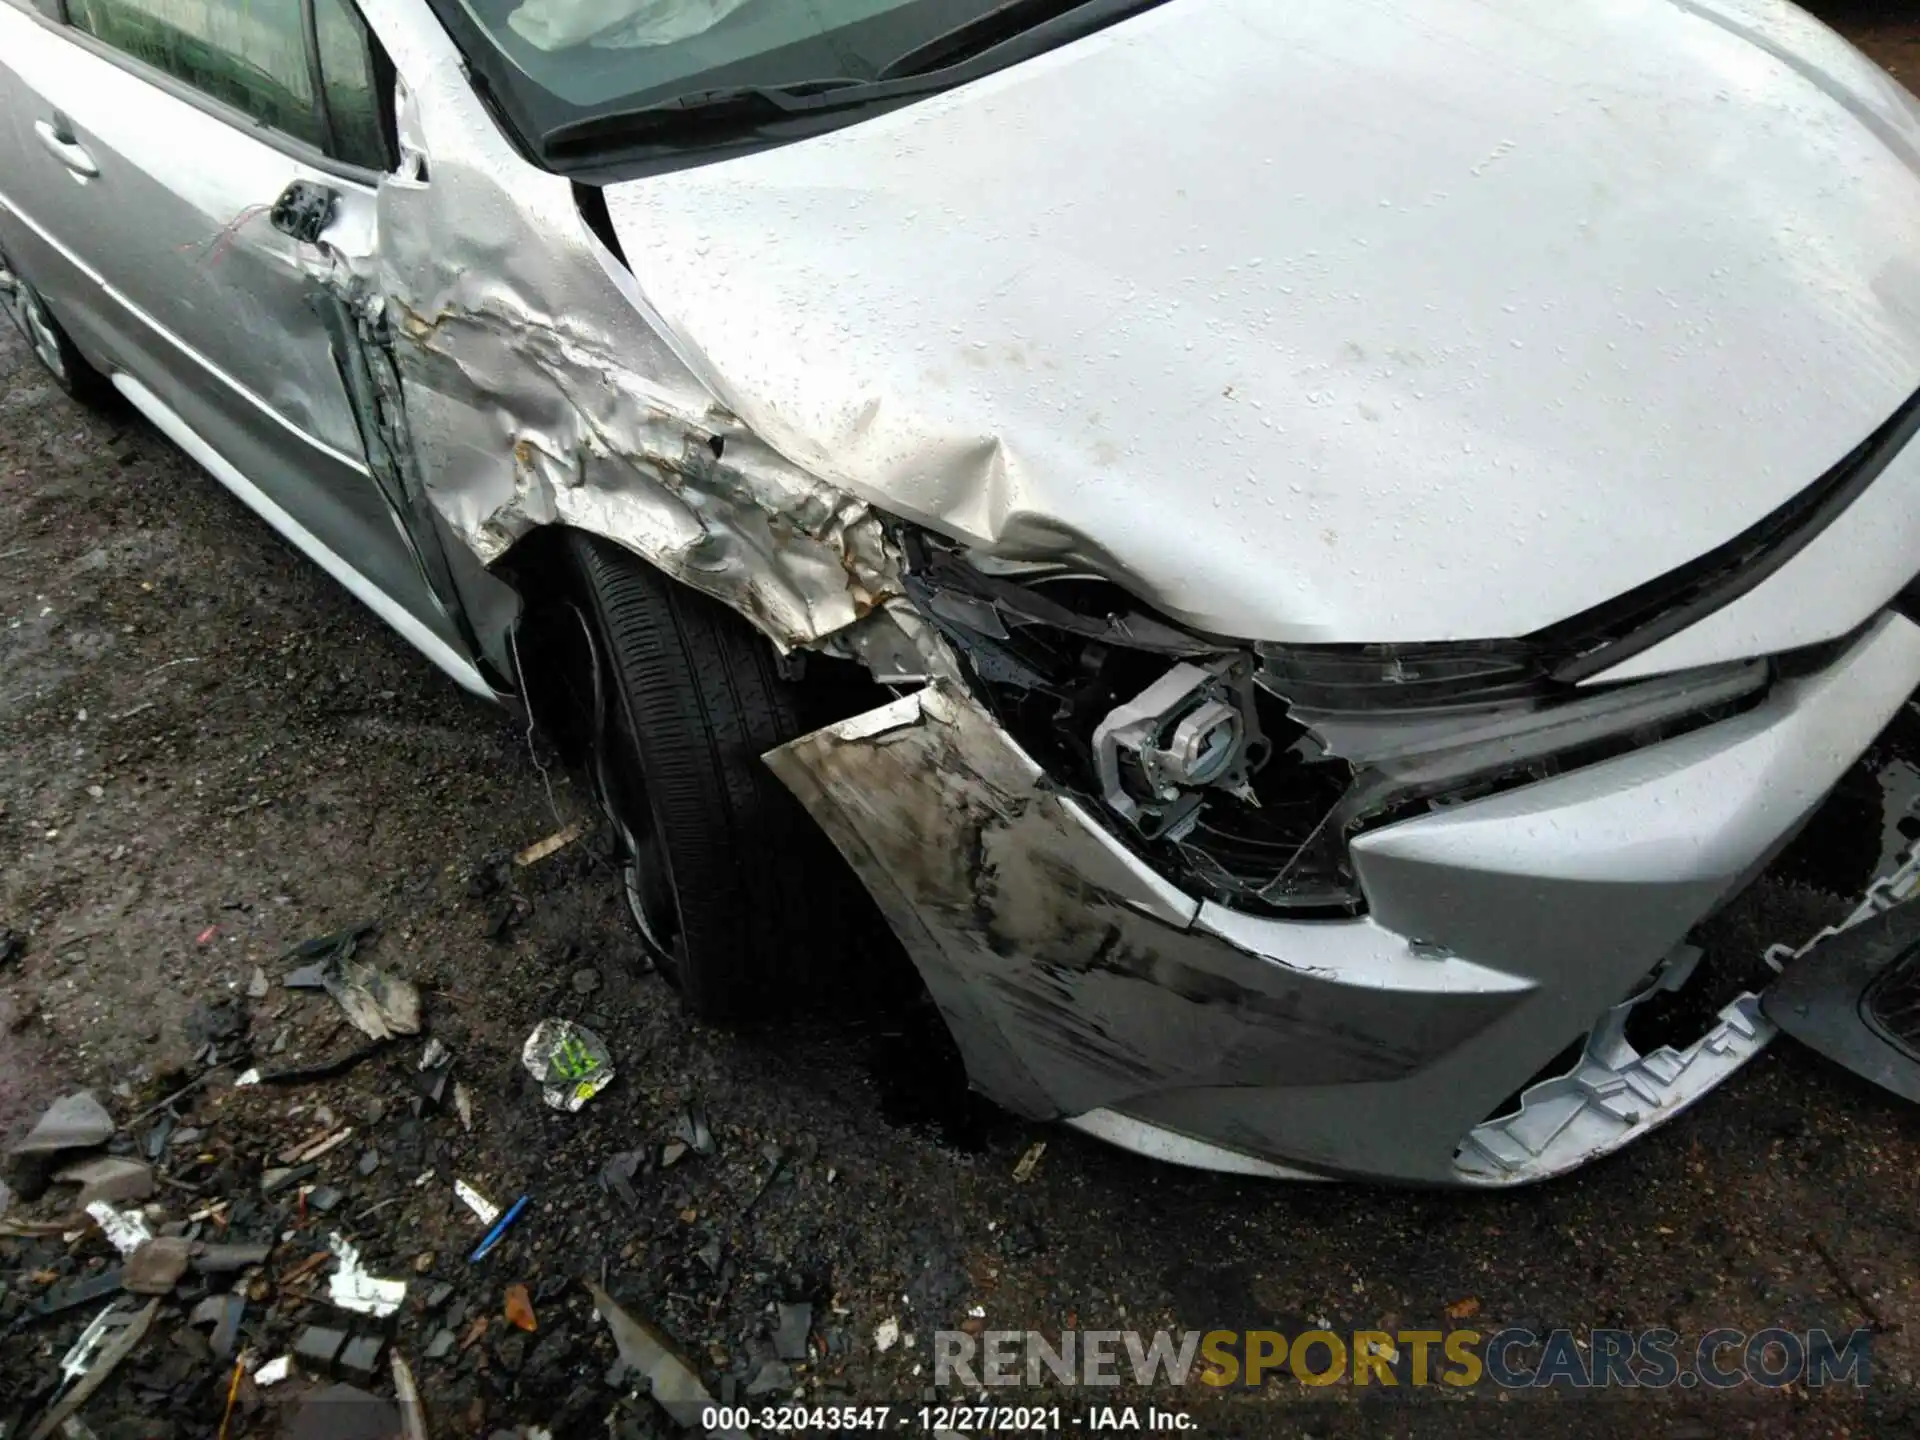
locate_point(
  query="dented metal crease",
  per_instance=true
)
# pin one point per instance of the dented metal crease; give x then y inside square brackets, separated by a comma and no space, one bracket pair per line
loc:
[532,391]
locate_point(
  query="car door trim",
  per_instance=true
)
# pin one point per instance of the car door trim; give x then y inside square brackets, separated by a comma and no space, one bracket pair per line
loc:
[409,627]
[355,463]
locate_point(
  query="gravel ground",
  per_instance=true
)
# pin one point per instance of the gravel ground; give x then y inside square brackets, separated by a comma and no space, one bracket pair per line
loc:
[209,752]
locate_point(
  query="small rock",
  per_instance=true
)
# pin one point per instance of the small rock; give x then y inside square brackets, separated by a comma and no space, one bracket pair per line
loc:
[257,986]
[441,1345]
[423,1262]
[511,1351]
[324,1199]
[773,1376]
[115,1181]
[671,1154]
[156,1267]
[586,981]
[369,1161]
[438,1295]
[73,1122]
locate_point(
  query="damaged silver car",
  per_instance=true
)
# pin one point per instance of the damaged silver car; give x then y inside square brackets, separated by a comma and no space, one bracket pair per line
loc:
[1309,557]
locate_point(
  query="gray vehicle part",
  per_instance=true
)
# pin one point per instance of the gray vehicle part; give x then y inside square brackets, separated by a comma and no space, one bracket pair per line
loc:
[1851,996]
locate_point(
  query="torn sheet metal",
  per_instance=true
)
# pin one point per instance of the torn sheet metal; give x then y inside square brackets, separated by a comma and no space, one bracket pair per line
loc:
[536,392]
[1072,976]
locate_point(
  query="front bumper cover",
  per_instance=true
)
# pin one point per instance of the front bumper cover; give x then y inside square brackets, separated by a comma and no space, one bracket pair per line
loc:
[1080,984]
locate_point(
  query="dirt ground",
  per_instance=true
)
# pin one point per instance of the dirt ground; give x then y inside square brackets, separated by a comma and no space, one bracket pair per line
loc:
[209,752]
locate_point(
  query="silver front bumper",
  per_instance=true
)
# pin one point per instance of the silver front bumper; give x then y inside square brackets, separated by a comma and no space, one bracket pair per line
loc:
[1078,983]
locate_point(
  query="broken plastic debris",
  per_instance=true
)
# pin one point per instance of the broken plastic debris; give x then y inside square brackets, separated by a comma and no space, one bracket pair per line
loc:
[790,1336]
[676,1387]
[476,1202]
[1029,1162]
[693,1131]
[571,1063]
[381,1005]
[76,1361]
[249,1077]
[323,1147]
[554,843]
[73,1122]
[886,1335]
[273,1372]
[108,1360]
[126,1230]
[519,1308]
[413,1415]
[354,1288]
[617,1174]
[339,944]
[500,1228]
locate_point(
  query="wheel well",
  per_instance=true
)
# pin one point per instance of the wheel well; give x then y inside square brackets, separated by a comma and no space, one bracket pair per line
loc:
[553,661]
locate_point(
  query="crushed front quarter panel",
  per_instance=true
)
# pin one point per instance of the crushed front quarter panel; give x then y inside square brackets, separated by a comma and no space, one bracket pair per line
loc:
[538,392]
[1069,973]
[1500,930]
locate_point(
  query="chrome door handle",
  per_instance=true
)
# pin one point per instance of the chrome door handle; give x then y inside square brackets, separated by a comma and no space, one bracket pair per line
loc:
[57,135]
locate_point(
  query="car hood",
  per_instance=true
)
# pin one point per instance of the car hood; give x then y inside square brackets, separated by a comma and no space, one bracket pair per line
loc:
[1355,322]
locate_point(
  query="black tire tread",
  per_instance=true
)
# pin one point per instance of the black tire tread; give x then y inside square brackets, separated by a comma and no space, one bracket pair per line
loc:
[703,690]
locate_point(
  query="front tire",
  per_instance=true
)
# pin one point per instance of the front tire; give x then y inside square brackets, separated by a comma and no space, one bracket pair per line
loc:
[727,876]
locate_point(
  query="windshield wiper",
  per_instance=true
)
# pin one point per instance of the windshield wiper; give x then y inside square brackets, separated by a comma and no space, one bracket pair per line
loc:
[971,37]
[729,106]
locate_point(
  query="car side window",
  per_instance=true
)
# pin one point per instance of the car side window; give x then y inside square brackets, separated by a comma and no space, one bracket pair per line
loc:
[356,98]
[255,55]
[251,54]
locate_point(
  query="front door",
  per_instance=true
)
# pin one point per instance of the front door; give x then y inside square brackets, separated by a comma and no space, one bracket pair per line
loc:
[150,140]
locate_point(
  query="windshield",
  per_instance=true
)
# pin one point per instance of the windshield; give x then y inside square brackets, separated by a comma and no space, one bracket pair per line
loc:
[553,63]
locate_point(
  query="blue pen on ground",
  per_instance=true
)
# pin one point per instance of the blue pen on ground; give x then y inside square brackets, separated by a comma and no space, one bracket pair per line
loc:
[493,1235]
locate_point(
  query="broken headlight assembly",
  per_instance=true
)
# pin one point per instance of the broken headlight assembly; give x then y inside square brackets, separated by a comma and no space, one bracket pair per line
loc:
[1244,771]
